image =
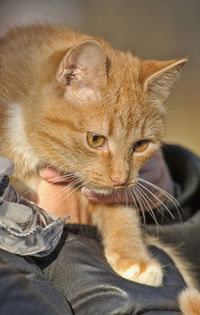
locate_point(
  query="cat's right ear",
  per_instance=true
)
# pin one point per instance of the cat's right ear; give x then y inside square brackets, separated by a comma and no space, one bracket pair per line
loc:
[159,76]
[82,71]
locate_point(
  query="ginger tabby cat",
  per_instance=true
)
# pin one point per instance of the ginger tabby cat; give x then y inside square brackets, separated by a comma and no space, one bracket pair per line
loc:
[72,102]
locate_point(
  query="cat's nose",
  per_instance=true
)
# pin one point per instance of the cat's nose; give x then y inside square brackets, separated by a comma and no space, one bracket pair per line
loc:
[119,180]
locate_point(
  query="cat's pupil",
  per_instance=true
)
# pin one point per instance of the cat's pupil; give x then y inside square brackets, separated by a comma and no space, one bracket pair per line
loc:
[140,143]
[95,138]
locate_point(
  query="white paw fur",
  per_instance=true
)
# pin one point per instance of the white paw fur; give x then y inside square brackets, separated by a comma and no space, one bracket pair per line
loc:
[152,275]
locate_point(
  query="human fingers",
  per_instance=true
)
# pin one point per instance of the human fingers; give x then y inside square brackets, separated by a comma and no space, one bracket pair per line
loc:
[55,195]
[51,175]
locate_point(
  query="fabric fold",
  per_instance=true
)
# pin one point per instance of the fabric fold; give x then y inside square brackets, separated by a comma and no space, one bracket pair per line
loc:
[25,229]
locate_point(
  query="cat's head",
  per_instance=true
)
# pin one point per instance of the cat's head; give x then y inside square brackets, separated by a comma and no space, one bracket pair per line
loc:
[102,114]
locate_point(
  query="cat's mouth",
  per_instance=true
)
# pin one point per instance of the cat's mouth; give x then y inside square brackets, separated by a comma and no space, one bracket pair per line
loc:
[97,194]
[92,192]
[102,195]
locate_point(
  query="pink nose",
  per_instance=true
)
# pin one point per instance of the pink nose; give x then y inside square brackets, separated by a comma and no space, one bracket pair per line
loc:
[119,180]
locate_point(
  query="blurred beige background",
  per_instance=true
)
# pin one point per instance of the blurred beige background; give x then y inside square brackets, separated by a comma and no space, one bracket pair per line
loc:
[151,29]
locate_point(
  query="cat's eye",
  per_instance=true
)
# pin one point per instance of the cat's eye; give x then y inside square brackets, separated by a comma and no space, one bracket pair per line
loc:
[141,145]
[95,141]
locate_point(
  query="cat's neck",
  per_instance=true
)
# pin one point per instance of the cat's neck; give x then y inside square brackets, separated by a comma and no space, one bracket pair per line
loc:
[15,146]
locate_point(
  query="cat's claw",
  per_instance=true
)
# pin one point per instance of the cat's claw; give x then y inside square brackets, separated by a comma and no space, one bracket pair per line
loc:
[149,273]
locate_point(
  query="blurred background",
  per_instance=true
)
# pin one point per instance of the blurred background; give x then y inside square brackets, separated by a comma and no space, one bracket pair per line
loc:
[151,29]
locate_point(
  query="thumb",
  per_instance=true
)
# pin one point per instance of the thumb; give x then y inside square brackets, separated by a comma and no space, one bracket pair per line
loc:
[53,176]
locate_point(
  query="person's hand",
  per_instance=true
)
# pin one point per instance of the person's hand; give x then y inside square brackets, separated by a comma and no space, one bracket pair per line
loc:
[51,195]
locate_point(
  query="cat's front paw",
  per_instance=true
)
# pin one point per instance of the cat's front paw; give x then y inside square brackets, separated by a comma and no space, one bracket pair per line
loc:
[149,273]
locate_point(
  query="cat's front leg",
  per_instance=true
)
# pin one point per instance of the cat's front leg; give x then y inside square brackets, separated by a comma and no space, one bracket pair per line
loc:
[124,245]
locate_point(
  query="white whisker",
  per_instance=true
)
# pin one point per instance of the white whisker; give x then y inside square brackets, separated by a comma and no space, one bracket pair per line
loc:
[62,178]
[147,203]
[71,192]
[67,187]
[137,202]
[164,192]
[152,194]
[152,202]
[126,198]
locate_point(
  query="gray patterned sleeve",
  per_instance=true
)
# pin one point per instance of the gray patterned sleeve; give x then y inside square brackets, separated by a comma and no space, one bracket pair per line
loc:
[25,229]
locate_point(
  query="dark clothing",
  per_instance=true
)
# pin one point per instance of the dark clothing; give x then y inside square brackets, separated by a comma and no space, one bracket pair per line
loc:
[75,277]
[25,290]
[183,232]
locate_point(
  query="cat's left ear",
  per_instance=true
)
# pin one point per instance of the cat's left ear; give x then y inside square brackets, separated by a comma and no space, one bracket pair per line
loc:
[83,72]
[159,76]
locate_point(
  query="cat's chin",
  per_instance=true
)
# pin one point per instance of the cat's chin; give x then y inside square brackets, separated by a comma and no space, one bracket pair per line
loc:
[97,194]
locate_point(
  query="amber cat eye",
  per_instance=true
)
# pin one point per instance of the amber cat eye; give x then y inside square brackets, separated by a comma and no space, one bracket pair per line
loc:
[95,140]
[141,145]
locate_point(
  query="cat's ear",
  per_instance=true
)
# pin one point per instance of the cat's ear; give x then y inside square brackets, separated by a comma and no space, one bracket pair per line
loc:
[83,72]
[159,76]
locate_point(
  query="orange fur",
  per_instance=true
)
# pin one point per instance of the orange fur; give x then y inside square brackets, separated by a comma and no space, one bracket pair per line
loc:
[57,85]
[189,301]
